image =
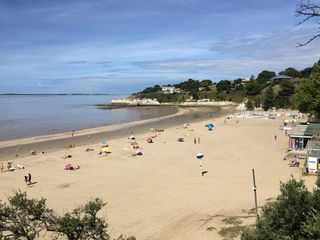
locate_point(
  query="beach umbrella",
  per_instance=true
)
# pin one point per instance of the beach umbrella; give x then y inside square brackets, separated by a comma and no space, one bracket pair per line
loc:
[104,143]
[210,126]
[134,143]
[132,137]
[199,155]
[68,165]
[133,140]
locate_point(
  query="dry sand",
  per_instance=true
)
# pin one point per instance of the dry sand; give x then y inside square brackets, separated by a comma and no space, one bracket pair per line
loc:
[161,195]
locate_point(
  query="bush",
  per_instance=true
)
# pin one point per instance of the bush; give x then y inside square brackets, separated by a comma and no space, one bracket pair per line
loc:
[24,218]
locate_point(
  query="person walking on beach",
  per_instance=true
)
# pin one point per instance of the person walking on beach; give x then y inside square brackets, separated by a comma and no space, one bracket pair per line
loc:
[1,167]
[29,178]
[195,140]
[198,140]
[275,137]
[26,180]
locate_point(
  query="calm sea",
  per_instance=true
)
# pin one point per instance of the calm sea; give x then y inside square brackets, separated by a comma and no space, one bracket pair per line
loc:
[24,116]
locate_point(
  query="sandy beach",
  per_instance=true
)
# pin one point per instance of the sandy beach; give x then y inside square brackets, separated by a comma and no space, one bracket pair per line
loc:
[161,195]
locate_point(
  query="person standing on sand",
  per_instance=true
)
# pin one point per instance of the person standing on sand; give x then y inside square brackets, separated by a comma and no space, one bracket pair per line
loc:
[29,178]
[198,140]
[275,137]
[1,167]
[195,140]
[26,180]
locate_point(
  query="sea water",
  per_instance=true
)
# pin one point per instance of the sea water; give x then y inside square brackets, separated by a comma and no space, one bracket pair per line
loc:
[32,115]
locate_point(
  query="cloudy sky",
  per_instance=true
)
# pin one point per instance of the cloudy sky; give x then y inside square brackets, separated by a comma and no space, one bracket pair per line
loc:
[121,46]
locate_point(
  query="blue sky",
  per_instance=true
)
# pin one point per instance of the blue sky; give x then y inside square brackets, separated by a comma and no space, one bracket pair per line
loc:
[122,46]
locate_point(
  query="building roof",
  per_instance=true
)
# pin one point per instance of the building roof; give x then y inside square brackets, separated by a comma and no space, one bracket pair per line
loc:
[313,129]
[313,145]
[307,131]
[298,131]
[280,77]
[314,153]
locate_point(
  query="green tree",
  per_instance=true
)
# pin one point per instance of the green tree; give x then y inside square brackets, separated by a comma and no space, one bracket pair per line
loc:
[282,100]
[206,84]
[307,96]
[253,88]
[249,105]
[305,73]
[24,218]
[224,85]
[268,101]
[286,218]
[264,76]
[291,72]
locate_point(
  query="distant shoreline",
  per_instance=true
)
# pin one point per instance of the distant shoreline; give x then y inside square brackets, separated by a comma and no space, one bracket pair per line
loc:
[57,94]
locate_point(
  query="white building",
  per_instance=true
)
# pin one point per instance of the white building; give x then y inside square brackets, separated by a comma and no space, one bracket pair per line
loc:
[166,89]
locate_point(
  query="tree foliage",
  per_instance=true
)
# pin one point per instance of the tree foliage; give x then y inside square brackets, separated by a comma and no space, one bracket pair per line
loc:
[264,76]
[294,215]
[308,94]
[23,218]
[291,72]
[268,102]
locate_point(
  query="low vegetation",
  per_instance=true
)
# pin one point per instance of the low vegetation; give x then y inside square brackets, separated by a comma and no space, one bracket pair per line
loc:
[294,215]
[24,218]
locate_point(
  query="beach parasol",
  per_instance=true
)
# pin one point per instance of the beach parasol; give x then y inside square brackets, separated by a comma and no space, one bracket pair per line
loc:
[132,137]
[104,143]
[67,166]
[199,155]
[210,126]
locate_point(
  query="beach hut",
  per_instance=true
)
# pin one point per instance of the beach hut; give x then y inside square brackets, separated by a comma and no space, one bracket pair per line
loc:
[313,156]
[301,134]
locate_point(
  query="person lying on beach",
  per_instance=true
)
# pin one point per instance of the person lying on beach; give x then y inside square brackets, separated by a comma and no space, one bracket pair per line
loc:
[71,146]
[67,156]
[18,166]
[89,149]
[70,167]
[33,152]
[9,167]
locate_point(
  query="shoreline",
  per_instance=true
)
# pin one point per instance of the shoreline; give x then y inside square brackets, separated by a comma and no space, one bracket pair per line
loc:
[53,142]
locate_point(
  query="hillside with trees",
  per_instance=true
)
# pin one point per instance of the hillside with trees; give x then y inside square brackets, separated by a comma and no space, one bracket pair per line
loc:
[293,89]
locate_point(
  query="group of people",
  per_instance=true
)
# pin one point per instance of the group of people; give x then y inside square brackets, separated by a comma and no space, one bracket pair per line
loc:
[10,167]
[195,140]
[27,179]
[135,146]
